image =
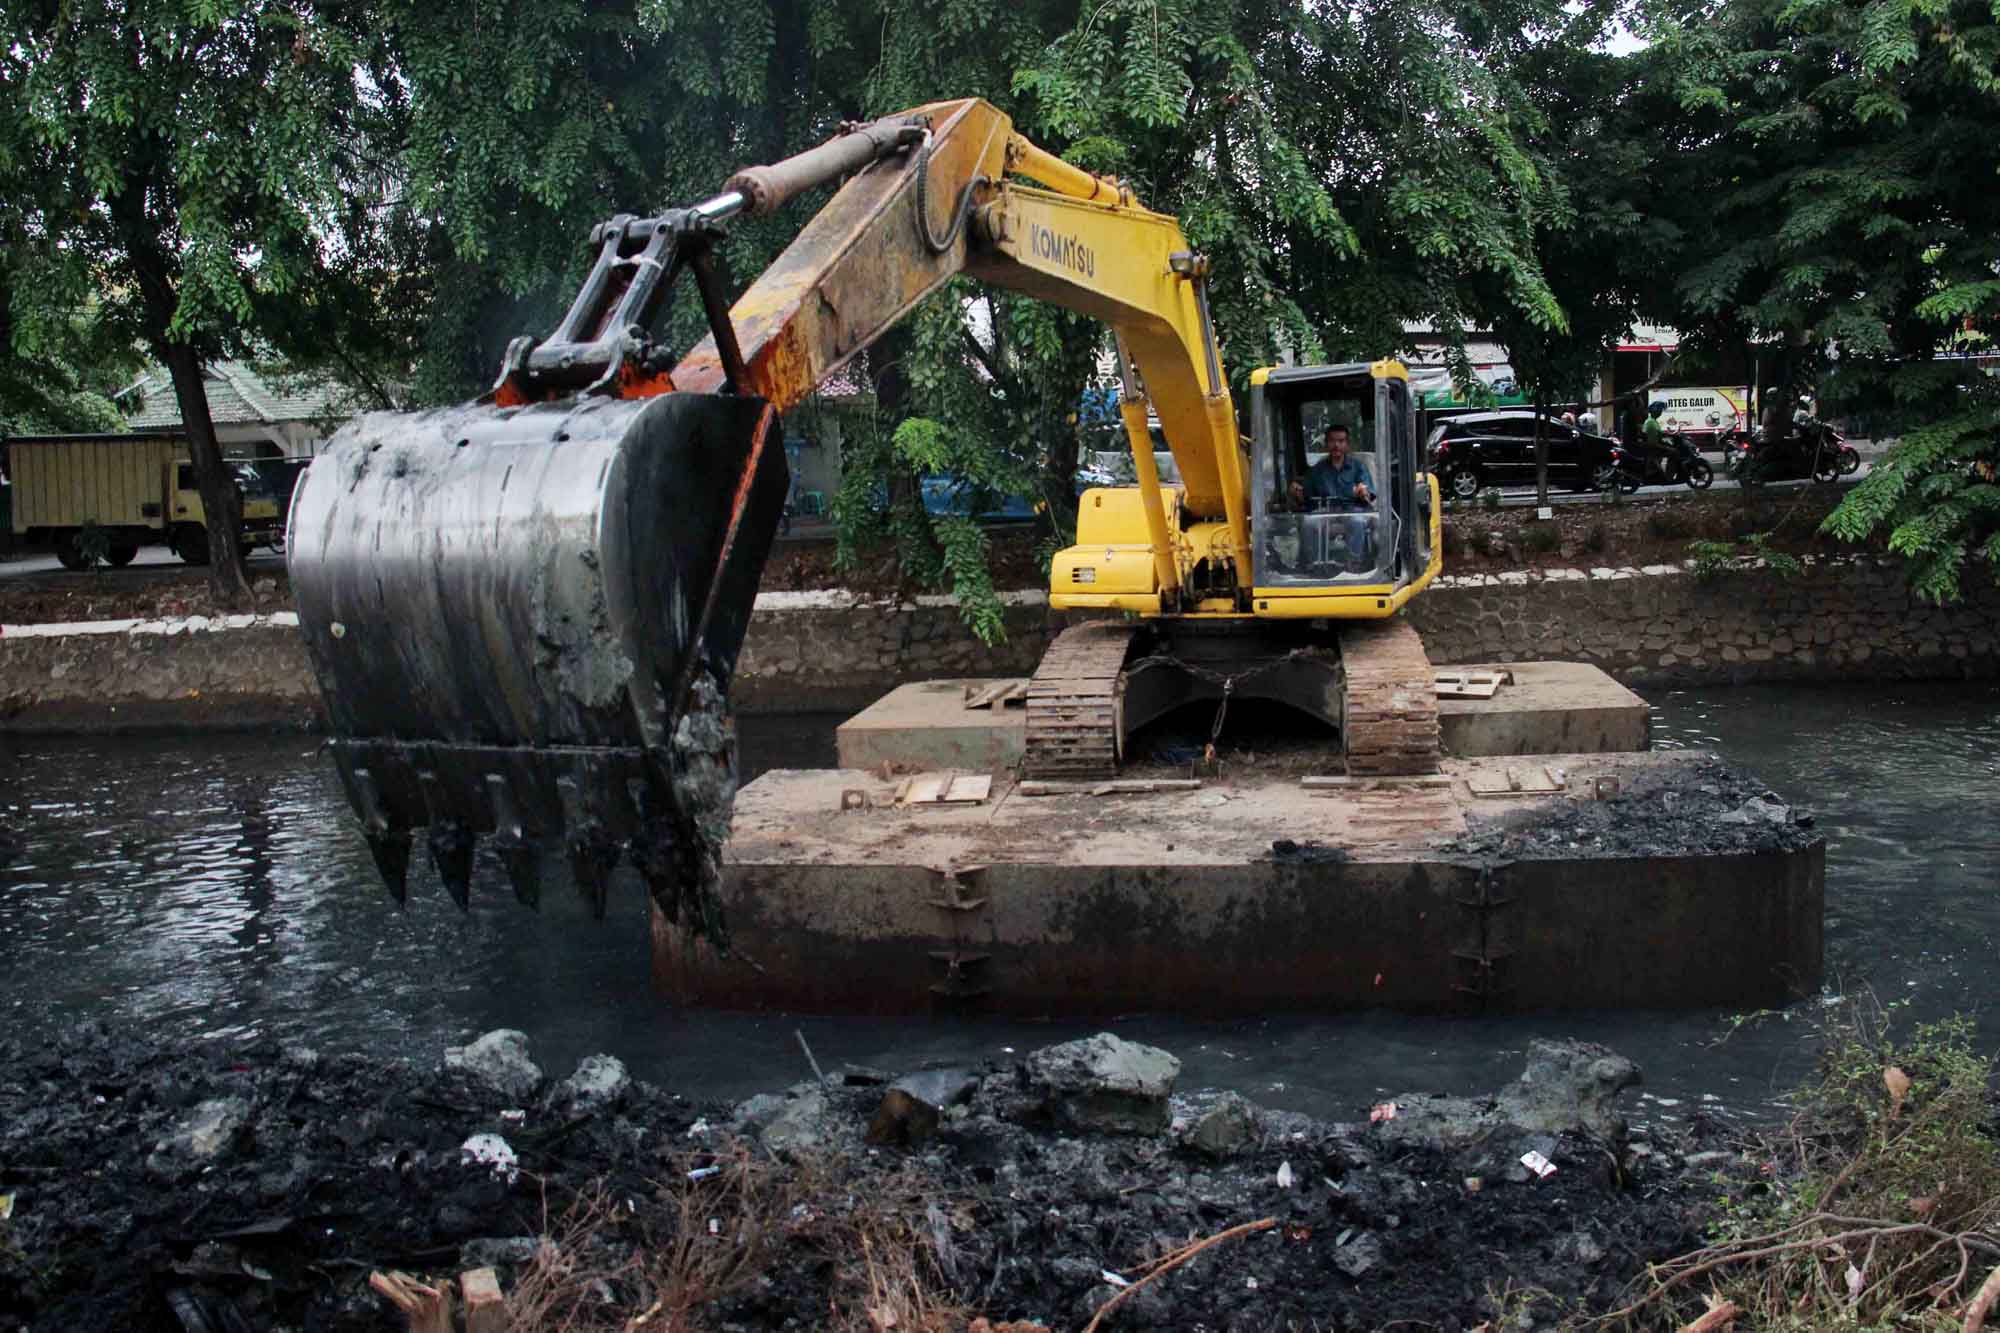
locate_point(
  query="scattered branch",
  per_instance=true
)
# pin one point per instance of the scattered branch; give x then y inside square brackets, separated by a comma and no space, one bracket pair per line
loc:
[1168,1262]
[1982,1304]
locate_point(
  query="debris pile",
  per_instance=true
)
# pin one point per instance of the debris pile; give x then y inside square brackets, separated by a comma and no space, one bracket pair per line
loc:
[261,1185]
[1702,806]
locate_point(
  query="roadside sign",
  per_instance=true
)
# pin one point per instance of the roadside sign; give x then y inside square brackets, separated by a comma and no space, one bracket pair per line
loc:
[1702,411]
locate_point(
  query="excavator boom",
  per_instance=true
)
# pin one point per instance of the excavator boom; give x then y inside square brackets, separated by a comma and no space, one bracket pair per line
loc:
[524,612]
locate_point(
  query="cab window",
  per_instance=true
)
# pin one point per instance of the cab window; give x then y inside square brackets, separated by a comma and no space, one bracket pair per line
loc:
[1312,528]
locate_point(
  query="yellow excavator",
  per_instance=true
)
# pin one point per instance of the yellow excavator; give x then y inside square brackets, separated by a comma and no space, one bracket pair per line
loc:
[524,612]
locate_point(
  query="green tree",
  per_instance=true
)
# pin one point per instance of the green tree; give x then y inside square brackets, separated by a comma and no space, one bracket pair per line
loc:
[1849,151]
[180,162]
[58,374]
[1346,171]
[1599,243]
[529,123]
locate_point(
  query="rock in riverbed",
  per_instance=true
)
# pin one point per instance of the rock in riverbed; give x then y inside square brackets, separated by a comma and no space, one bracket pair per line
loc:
[1568,1088]
[1102,1083]
[1227,1127]
[207,1130]
[498,1061]
[599,1081]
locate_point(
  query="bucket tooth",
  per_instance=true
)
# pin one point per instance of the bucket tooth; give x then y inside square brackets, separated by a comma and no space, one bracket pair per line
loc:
[592,858]
[389,846]
[392,858]
[520,852]
[451,842]
[592,848]
[654,848]
[452,845]
[523,861]
[653,855]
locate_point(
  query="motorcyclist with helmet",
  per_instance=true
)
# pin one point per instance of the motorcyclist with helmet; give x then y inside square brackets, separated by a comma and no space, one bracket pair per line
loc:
[1653,447]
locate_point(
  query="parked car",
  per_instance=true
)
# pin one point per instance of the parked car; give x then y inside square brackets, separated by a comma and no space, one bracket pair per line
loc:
[1475,450]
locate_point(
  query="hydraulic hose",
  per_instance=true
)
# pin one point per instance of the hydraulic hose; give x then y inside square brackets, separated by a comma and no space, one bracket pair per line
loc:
[938,245]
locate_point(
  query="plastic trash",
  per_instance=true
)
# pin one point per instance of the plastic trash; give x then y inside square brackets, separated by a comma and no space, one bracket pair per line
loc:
[493,1152]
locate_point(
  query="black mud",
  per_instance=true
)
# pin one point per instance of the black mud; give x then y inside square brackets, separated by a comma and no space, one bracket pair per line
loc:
[1700,806]
[326,1168]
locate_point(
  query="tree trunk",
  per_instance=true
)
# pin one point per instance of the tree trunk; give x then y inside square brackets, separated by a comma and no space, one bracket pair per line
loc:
[158,275]
[228,577]
[1060,450]
[1541,453]
[892,390]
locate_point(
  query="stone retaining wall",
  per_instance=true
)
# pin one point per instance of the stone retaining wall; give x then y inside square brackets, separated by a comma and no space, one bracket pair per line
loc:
[1839,620]
[827,652]
[233,672]
[834,652]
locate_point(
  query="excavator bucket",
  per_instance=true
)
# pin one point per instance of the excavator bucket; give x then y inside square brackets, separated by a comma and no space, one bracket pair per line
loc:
[524,621]
[524,613]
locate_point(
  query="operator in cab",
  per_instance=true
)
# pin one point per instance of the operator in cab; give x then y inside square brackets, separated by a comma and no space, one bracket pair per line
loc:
[1338,481]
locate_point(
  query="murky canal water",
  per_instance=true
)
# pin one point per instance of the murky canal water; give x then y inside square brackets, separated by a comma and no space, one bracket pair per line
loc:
[213,886]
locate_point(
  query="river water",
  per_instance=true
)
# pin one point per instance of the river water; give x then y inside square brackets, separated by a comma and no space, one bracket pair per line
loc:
[215,887]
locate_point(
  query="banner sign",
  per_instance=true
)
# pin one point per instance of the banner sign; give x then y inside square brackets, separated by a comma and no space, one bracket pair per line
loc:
[1698,411]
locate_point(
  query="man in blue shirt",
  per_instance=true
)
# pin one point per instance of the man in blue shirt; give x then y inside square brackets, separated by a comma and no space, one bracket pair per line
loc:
[1339,477]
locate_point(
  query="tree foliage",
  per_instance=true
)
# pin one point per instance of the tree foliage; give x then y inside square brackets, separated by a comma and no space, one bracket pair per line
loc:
[170,166]
[391,190]
[1346,170]
[58,375]
[1849,152]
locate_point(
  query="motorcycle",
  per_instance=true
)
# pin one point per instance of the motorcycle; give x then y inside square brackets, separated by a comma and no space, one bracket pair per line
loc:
[1682,462]
[1676,462]
[1737,446]
[1621,473]
[1814,450]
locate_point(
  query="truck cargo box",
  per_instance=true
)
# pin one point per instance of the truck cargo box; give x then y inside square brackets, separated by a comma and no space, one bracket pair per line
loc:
[107,481]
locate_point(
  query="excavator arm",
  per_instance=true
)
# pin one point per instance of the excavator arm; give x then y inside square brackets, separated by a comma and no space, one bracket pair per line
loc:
[524,612]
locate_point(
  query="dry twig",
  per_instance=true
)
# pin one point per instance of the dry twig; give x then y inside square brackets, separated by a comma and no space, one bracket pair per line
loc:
[1870,1229]
[1718,1317]
[1167,1263]
[1982,1304]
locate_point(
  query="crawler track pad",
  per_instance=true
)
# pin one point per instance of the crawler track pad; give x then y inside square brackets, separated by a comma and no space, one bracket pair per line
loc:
[509,609]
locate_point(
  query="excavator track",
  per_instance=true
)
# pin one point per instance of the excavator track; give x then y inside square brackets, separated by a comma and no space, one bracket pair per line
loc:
[1074,702]
[1390,703]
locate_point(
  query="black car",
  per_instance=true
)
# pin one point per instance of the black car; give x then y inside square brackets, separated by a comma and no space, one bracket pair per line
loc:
[1480,449]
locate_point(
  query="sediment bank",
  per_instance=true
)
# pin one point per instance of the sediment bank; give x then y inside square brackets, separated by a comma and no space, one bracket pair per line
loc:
[253,1185]
[1850,619]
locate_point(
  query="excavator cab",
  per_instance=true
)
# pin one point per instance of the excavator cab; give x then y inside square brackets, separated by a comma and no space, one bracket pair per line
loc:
[1317,535]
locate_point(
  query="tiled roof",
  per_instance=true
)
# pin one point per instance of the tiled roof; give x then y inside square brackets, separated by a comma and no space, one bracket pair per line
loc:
[850,381]
[238,394]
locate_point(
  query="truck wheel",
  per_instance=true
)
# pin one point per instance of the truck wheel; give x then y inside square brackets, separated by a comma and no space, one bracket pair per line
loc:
[121,555]
[191,544]
[68,553]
